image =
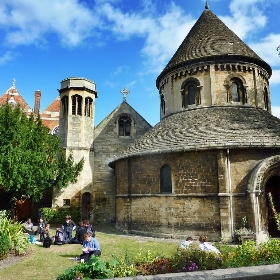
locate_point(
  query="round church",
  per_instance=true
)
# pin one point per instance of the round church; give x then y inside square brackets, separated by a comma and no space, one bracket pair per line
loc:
[215,154]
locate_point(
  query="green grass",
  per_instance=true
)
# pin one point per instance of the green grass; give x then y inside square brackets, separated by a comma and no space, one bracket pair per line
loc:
[48,263]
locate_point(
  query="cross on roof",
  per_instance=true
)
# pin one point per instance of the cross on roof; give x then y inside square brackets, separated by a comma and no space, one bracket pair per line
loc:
[125,92]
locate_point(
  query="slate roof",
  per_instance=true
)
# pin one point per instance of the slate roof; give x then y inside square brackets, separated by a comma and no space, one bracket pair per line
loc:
[208,40]
[209,128]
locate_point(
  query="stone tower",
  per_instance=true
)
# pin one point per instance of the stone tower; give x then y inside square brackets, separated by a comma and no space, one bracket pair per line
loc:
[76,130]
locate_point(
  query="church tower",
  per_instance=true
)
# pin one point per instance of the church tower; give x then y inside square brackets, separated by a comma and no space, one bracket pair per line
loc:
[76,130]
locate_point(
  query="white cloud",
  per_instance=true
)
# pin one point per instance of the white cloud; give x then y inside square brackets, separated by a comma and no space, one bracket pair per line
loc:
[275,78]
[162,34]
[275,111]
[266,49]
[6,57]
[246,17]
[28,21]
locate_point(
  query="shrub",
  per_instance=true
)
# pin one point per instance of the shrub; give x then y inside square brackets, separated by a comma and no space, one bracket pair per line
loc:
[4,245]
[57,215]
[96,268]
[18,241]
[184,260]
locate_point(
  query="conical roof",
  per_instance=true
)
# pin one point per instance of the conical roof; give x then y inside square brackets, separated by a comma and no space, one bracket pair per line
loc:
[209,128]
[209,39]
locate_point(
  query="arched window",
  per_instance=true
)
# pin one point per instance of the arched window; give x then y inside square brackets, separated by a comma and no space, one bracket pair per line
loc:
[55,130]
[77,105]
[64,103]
[165,179]
[236,91]
[124,125]
[265,98]
[88,107]
[190,93]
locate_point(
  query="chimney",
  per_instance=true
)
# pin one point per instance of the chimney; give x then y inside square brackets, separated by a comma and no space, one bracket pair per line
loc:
[37,102]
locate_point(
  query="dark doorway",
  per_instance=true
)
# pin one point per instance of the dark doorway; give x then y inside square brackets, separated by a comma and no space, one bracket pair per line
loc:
[23,209]
[86,206]
[273,187]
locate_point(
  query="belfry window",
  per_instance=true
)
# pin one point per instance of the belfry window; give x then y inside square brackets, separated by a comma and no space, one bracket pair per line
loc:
[124,125]
[88,107]
[165,179]
[64,103]
[190,93]
[77,105]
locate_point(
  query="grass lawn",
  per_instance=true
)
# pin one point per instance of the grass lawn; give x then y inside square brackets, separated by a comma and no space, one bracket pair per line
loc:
[48,263]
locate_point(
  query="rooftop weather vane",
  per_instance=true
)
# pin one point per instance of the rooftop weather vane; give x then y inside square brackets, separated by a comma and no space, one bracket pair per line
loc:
[125,92]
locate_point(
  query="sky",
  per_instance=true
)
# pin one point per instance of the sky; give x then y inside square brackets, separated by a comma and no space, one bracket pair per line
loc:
[117,44]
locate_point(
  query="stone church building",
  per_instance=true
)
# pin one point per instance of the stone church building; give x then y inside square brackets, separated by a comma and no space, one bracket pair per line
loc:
[215,154]
[209,162]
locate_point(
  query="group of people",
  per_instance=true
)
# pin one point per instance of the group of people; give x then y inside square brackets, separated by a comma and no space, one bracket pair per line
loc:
[204,245]
[84,235]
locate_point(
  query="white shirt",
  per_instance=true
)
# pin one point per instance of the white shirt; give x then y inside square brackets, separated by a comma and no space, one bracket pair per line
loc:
[208,248]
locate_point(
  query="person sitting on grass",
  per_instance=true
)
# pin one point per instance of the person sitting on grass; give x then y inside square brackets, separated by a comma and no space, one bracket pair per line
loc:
[90,247]
[89,228]
[79,236]
[186,244]
[41,225]
[204,246]
[28,227]
[45,232]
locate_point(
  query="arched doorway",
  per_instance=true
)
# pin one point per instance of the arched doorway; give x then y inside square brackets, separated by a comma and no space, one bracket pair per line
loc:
[86,206]
[273,187]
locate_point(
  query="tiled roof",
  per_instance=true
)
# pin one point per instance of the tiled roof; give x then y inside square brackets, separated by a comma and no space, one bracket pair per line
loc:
[209,39]
[54,106]
[209,128]
[13,92]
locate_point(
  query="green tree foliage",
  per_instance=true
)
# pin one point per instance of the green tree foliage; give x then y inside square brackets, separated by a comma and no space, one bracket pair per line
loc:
[31,159]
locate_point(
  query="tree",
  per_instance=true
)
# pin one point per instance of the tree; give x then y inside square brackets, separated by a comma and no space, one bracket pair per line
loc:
[31,159]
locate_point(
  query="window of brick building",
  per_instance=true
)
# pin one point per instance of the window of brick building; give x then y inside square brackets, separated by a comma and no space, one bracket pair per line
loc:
[124,125]
[55,130]
[165,179]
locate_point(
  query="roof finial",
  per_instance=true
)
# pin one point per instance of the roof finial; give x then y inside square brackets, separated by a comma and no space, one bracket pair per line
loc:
[14,82]
[206,5]
[125,92]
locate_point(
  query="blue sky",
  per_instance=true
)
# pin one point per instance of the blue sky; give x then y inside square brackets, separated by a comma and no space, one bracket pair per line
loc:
[117,44]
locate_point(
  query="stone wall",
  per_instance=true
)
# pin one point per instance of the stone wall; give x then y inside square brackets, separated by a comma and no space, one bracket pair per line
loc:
[201,197]
[106,145]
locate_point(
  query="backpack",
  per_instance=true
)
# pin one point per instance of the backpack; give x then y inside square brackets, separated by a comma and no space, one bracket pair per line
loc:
[47,242]
[32,239]
[59,238]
